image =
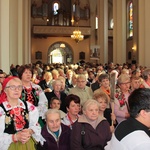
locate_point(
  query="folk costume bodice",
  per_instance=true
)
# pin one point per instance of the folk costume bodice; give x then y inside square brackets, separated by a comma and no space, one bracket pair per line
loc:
[16,118]
[31,95]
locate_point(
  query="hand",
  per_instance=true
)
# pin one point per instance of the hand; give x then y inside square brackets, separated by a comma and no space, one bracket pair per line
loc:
[127,115]
[112,129]
[113,116]
[48,90]
[24,135]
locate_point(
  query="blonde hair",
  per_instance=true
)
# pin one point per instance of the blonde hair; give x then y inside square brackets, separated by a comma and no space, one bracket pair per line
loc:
[55,72]
[125,71]
[100,94]
[47,74]
[123,78]
[81,76]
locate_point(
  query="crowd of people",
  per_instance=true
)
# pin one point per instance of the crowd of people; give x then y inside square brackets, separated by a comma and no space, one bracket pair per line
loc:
[75,107]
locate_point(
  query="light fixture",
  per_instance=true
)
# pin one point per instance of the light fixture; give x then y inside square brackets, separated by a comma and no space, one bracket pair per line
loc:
[62,45]
[77,36]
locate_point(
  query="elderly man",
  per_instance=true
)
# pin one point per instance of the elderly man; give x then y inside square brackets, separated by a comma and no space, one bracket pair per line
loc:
[81,90]
[56,134]
[133,133]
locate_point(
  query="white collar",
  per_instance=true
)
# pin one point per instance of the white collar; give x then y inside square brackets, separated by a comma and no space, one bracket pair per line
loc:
[9,107]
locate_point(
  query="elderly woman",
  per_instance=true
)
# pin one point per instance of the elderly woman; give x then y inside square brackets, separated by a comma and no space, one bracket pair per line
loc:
[32,92]
[91,131]
[146,77]
[18,118]
[121,98]
[46,83]
[56,134]
[73,108]
[56,92]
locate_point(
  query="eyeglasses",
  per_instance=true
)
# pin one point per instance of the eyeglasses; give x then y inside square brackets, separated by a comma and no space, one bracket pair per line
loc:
[2,77]
[80,81]
[13,87]
[126,83]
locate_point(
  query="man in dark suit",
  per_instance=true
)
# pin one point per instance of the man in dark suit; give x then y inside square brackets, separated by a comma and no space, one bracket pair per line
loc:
[95,86]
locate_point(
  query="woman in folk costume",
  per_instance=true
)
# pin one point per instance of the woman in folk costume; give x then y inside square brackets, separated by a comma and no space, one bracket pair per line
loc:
[121,109]
[32,92]
[19,119]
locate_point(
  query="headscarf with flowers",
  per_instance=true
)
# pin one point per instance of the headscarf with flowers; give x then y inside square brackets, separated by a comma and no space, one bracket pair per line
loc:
[3,96]
[120,97]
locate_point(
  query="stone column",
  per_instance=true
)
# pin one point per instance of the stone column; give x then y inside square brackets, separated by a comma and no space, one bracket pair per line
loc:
[119,31]
[103,30]
[4,35]
[27,31]
[15,33]
[144,33]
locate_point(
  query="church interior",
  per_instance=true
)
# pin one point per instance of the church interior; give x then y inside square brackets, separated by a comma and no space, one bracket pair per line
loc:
[70,31]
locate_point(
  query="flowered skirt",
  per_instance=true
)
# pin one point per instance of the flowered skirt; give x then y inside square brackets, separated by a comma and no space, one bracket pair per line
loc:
[30,145]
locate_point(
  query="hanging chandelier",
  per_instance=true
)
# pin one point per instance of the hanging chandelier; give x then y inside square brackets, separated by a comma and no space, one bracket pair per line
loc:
[77,36]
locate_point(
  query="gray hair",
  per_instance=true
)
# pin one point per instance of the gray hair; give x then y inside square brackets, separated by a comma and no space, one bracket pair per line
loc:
[52,111]
[56,81]
[145,73]
[89,103]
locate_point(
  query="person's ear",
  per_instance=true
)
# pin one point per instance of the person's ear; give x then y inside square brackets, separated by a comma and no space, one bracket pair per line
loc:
[143,113]
[67,109]
[84,112]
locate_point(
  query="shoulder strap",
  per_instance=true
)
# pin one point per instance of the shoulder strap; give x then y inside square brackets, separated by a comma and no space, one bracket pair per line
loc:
[82,134]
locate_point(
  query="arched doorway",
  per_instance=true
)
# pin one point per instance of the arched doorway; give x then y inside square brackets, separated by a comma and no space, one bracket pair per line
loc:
[60,52]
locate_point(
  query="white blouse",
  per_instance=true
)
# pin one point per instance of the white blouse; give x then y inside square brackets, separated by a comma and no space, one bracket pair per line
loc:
[5,138]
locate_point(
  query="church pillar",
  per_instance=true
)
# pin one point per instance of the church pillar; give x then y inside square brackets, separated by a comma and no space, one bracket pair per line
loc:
[4,35]
[103,30]
[15,33]
[119,31]
[144,33]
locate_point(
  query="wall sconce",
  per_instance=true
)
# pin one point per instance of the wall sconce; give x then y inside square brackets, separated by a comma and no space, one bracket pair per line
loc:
[134,48]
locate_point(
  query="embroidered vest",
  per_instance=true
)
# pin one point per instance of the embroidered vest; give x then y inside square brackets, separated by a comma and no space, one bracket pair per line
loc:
[31,96]
[15,123]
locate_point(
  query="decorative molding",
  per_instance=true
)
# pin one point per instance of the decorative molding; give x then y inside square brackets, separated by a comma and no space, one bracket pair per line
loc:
[60,31]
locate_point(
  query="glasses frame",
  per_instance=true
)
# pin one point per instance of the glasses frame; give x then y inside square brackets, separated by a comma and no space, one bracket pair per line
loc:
[13,87]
